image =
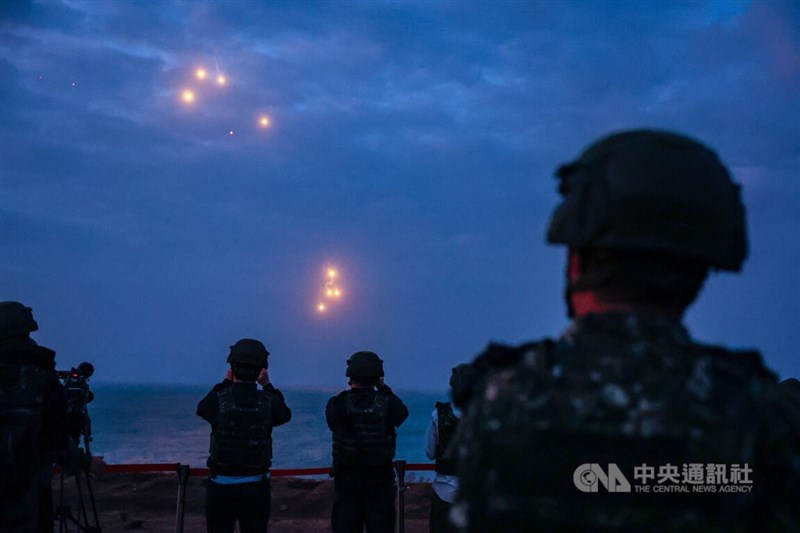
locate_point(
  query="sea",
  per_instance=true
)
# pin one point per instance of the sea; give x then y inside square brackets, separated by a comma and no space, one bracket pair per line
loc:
[144,424]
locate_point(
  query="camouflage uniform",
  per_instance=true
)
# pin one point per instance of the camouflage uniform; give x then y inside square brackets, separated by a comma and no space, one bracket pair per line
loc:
[625,423]
[632,390]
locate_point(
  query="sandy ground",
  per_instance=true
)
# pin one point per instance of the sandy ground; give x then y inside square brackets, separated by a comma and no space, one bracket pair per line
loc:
[148,502]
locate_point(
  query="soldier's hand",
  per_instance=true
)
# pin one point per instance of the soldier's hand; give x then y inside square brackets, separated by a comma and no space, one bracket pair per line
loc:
[263,378]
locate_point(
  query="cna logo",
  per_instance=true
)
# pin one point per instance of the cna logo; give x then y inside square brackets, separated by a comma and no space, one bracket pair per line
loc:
[588,476]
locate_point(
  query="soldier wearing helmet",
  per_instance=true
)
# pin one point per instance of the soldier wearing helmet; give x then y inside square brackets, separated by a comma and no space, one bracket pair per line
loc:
[442,429]
[33,416]
[240,455]
[362,420]
[587,432]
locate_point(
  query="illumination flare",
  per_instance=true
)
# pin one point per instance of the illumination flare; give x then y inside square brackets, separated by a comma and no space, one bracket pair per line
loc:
[331,290]
[194,90]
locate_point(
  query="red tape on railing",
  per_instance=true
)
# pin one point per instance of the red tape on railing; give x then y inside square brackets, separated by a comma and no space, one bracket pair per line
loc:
[125,469]
[276,472]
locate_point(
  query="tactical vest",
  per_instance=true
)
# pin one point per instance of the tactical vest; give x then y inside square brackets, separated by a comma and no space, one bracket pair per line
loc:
[241,442]
[446,427]
[649,402]
[366,438]
[21,404]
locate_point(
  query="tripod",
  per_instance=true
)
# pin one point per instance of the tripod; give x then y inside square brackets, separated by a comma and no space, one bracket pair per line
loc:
[64,511]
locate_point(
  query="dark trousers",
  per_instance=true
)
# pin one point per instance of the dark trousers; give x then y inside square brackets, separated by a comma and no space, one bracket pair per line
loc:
[363,497]
[440,515]
[247,503]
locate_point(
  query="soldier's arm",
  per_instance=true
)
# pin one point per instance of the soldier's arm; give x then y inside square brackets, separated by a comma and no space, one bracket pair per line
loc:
[398,412]
[333,413]
[432,437]
[280,411]
[208,408]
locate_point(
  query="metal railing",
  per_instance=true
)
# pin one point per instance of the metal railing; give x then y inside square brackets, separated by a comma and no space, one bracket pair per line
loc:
[184,472]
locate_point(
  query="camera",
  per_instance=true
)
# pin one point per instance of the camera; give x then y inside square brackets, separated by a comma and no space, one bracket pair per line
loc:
[76,386]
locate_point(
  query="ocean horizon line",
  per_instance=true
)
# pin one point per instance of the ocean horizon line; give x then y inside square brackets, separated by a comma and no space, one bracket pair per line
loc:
[200,386]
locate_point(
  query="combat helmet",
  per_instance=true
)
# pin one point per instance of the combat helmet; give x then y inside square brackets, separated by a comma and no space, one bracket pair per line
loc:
[364,365]
[654,191]
[249,352]
[16,320]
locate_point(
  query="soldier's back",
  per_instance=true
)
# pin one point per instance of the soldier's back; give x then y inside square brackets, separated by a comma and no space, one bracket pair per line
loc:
[625,423]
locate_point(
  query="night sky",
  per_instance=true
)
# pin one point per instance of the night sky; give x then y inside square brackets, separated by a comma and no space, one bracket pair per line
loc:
[410,145]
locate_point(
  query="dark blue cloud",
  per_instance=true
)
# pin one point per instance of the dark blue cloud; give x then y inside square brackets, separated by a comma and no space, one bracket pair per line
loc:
[411,144]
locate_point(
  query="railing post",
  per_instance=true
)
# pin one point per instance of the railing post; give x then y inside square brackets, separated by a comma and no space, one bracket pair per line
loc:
[183,477]
[400,468]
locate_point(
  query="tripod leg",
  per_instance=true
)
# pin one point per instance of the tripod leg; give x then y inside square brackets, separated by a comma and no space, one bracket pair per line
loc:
[93,505]
[87,438]
[81,506]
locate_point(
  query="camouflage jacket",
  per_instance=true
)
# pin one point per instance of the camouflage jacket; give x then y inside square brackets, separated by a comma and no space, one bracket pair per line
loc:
[622,424]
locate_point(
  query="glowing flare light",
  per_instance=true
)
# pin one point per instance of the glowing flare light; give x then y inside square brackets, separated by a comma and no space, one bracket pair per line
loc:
[196,90]
[331,291]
